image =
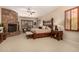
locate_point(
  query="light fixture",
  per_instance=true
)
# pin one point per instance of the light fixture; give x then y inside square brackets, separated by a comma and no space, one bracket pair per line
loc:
[30,11]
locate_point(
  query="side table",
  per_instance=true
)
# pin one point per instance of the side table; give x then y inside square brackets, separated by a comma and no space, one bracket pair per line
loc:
[2,37]
[57,35]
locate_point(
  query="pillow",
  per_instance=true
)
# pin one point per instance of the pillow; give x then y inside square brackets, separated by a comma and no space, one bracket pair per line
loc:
[40,27]
[44,27]
[61,28]
[48,28]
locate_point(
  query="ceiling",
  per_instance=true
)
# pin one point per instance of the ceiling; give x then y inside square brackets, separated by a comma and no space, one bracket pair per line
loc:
[40,10]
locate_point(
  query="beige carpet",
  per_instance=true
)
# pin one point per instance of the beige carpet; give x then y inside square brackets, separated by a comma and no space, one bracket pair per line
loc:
[20,43]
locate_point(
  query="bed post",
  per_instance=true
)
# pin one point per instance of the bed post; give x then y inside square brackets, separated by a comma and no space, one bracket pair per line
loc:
[52,24]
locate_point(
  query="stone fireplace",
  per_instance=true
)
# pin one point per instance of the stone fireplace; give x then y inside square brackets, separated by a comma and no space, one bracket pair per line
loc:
[10,21]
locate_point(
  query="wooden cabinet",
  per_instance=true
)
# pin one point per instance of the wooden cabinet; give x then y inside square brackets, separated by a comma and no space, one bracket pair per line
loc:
[72,19]
[2,37]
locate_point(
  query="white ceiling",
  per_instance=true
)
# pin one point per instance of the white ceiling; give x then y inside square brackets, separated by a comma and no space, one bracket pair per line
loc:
[40,10]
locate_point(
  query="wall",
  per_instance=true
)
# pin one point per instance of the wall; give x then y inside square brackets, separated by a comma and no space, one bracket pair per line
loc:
[57,14]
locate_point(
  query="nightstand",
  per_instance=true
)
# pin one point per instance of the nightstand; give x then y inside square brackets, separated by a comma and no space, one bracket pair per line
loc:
[57,35]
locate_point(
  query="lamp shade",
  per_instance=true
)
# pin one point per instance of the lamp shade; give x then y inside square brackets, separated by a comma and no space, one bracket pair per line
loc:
[1,29]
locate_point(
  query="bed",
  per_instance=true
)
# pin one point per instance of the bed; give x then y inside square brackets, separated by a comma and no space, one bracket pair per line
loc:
[41,32]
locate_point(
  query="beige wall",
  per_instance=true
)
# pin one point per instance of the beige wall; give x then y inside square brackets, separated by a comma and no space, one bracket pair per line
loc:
[57,14]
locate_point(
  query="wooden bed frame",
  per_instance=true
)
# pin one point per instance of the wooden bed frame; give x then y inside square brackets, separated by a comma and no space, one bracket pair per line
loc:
[40,35]
[55,34]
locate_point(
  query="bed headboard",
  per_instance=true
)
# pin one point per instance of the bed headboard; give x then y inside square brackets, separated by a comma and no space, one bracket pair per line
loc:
[48,23]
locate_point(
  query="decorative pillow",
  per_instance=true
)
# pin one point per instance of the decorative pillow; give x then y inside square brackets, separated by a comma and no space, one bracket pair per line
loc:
[48,28]
[40,27]
[44,27]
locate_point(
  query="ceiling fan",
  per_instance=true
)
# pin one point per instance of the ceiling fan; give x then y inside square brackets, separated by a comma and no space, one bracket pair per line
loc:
[30,11]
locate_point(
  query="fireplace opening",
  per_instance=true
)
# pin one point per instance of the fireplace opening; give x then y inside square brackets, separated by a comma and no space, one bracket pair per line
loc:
[12,27]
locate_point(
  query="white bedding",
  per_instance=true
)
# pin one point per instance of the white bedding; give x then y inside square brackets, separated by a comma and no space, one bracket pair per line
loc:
[37,30]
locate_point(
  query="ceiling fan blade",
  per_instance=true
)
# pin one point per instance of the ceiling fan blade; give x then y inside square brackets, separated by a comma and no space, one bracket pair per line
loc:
[33,12]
